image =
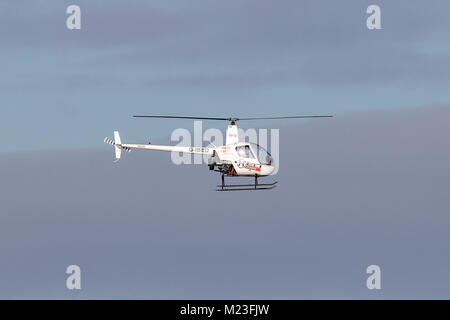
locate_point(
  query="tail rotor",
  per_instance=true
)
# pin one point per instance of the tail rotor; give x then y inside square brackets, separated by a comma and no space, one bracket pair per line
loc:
[117,143]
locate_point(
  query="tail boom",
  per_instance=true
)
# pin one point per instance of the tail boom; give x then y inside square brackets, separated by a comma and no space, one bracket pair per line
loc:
[119,146]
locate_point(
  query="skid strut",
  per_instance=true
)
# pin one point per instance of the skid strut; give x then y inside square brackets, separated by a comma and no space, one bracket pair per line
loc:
[243,187]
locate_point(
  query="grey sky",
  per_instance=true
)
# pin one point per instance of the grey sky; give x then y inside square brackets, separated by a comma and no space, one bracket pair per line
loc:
[370,188]
[68,89]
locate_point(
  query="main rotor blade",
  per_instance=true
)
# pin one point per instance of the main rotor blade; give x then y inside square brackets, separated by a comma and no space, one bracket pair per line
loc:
[232,119]
[180,117]
[290,117]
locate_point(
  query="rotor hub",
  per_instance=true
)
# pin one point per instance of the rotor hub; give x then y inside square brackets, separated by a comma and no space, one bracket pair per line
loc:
[233,120]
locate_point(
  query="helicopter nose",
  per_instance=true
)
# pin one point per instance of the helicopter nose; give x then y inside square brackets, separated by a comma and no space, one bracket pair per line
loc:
[267,169]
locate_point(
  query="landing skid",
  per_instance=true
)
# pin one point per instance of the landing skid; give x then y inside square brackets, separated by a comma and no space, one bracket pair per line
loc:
[244,187]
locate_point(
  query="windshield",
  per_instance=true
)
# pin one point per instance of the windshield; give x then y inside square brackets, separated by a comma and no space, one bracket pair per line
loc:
[262,154]
[244,151]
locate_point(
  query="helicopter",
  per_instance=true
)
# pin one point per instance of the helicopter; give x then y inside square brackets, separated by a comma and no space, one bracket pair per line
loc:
[234,159]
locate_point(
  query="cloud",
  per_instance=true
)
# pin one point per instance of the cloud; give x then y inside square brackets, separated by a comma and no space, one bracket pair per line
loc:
[247,43]
[209,58]
[355,190]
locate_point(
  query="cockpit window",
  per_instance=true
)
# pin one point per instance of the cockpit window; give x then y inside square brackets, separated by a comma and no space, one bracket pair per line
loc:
[264,157]
[244,152]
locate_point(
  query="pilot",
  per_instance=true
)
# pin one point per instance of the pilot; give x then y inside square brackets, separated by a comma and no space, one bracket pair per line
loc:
[241,151]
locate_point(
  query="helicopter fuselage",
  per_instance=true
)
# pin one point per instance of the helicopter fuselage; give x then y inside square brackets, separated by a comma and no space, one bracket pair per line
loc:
[235,158]
[241,159]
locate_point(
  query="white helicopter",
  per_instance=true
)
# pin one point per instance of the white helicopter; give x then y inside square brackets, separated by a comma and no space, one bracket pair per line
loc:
[234,159]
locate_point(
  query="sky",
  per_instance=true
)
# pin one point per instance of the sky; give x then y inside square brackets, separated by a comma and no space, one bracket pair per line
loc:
[68,89]
[362,190]
[369,186]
